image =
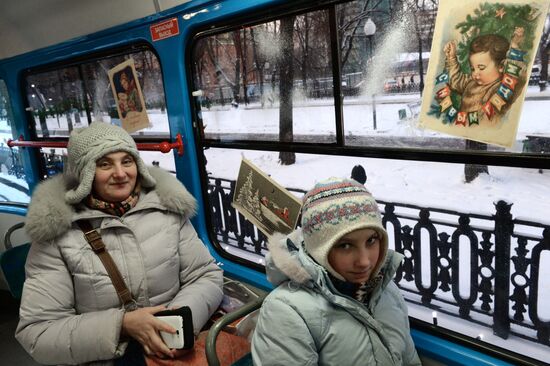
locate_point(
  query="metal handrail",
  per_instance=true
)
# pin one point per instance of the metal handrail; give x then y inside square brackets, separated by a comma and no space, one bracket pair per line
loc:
[164,147]
[7,236]
[221,323]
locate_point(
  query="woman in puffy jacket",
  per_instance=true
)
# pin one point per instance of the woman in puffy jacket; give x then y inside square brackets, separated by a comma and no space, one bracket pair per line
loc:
[70,311]
[335,303]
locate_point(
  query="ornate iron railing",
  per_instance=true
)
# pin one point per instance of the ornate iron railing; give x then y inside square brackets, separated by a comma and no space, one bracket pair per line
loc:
[502,287]
[230,226]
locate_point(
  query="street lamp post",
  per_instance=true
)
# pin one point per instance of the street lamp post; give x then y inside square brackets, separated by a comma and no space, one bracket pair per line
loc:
[370,29]
[420,61]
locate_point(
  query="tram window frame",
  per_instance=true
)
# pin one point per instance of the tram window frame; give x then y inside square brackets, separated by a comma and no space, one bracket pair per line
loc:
[10,160]
[81,62]
[203,142]
[467,156]
[473,157]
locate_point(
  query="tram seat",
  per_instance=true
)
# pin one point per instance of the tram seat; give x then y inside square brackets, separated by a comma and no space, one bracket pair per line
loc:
[12,262]
[222,323]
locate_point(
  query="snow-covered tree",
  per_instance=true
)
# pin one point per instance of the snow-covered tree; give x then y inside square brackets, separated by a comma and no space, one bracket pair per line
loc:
[248,200]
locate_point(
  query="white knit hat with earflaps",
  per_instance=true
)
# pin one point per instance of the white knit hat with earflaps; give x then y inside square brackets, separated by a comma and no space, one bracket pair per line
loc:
[89,144]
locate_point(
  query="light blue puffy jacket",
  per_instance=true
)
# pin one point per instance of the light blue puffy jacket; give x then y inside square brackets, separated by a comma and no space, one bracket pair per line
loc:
[306,321]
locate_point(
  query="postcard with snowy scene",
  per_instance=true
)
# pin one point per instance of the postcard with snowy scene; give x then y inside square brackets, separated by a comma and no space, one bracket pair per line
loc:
[480,63]
[264,202]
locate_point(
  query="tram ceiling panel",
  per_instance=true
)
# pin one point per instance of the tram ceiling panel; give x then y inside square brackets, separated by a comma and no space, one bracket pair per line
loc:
[27,25]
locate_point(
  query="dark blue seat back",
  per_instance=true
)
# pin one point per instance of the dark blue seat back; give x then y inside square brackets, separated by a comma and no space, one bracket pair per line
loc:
[12,262]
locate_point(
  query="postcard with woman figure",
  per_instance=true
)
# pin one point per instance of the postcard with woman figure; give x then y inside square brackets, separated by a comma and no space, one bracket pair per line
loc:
[128,96]
[264,202]
[480,63]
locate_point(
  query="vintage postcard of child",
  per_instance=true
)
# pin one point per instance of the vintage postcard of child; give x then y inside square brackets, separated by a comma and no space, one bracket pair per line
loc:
[480,63]
[128,96]
[264,202]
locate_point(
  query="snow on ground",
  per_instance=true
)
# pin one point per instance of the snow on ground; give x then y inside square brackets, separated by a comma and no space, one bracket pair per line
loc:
[9,193]
[318,118]
[484,334]
[422,183]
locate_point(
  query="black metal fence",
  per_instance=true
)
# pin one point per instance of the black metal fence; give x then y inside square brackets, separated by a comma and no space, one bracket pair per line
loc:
[11,160]
[498,286]
[315,90]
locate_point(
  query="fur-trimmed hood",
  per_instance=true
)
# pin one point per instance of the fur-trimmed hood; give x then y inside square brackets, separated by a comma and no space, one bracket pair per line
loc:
[283,260]
[287,260]
[49,216]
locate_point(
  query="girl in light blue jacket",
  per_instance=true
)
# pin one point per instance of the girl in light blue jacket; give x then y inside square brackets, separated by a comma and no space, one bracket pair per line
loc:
[335,303]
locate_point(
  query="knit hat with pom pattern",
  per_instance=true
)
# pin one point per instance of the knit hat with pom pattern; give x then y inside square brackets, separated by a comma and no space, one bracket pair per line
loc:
[336,207]
[89,144]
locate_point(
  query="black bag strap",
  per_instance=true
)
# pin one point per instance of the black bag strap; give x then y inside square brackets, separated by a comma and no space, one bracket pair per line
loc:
[96,242]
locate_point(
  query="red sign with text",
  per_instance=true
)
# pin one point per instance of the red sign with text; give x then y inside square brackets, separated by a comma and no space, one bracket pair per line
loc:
[166,29]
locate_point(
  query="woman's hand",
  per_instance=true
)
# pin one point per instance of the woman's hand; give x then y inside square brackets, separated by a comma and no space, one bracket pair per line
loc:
[144,327]
[450,50]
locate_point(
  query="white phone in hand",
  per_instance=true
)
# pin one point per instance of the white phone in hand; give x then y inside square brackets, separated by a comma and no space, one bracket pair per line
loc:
[175,340]
[183,322]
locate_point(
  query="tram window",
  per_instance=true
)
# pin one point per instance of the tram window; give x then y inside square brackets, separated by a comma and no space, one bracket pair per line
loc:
[382,75]
[156,158]
[53,161]
[450,266]
[69,97]
[13,186]
[57,101]
[446,217]
[239,76]
[256,76]
[102,103]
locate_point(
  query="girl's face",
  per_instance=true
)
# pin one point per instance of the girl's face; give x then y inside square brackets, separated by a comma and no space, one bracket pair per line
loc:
[115,176]
[484,69]
[355,255]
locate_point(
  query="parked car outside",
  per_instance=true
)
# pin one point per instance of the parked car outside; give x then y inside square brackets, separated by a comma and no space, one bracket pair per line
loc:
[391,86]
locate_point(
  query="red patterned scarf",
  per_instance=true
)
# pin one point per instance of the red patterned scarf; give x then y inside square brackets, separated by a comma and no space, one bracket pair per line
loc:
[114,208]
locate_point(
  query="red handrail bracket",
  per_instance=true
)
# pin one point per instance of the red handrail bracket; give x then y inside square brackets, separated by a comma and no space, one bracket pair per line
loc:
[11,141]
[179,144]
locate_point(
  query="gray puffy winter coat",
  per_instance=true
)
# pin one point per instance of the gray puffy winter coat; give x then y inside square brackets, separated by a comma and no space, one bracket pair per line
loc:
[306,321]
[70,312]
